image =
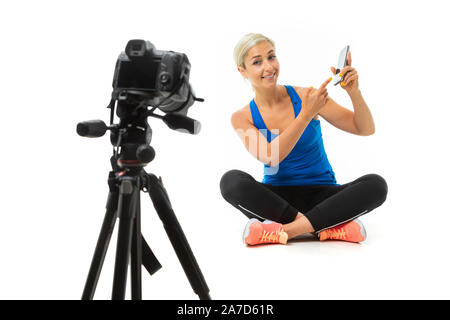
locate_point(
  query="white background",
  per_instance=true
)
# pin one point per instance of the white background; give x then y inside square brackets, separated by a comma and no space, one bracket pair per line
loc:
[56,68]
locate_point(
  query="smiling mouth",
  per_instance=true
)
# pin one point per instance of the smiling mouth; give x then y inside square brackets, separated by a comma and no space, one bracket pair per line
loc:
[270,77]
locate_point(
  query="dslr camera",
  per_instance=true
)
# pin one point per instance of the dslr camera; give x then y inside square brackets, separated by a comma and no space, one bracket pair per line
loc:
[161,77]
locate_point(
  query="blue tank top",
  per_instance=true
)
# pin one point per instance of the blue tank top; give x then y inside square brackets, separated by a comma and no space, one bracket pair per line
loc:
[307,163]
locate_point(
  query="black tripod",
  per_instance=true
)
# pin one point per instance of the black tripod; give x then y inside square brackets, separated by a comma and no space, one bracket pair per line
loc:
[124,203]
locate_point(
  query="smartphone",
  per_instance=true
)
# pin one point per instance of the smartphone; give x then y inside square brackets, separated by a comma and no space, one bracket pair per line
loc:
[342,63]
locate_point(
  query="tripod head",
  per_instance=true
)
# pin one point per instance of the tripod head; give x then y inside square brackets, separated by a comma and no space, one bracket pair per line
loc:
[131,137]
[145,77]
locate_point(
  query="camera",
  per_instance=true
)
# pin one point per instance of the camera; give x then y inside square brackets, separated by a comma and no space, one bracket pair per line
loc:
[161,77]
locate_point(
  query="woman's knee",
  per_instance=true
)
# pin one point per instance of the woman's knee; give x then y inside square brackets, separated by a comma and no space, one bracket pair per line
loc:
[378,188]
[231,182]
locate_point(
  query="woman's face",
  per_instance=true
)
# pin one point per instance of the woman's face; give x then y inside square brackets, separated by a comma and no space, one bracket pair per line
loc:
[261,66]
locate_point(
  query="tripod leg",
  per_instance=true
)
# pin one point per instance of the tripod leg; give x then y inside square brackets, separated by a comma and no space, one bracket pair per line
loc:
[136,253]
[102,245]
[176,236]
[126,212]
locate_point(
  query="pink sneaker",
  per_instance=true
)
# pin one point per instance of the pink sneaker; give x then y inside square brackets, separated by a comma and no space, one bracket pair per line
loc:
[257,232]
[352,231]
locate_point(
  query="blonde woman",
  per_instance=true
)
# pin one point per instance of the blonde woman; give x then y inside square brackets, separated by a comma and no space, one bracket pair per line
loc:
[299,193]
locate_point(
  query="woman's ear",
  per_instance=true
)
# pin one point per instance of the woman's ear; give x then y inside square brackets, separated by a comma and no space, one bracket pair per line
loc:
[242,72]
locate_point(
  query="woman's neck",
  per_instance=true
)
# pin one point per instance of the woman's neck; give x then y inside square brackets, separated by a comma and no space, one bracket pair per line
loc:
[268,97]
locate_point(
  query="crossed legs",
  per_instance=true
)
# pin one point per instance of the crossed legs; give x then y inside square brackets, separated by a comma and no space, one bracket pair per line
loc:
[303,209]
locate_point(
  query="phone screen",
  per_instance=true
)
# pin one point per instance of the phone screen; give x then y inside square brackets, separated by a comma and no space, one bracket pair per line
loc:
[343,58]
[342,63]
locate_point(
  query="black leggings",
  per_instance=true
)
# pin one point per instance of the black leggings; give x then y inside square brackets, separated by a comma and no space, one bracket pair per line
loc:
[324,205]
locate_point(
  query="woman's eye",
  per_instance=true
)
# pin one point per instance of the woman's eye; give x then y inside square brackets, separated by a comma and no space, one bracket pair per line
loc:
[272,57]
[256,62]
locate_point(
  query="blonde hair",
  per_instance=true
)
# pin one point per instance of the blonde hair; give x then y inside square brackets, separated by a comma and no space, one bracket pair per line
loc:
[245,44]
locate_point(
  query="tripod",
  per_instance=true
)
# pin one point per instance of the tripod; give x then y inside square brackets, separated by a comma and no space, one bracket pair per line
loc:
[124,203]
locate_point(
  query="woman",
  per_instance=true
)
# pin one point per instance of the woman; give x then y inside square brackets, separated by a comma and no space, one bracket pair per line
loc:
[280,127]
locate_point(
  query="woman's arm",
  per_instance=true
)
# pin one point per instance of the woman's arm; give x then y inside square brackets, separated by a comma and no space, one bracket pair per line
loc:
[287,140]
[360,122]
[363,117]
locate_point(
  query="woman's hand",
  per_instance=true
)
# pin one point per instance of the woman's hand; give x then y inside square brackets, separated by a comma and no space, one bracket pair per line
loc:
[314,100]
[350,76]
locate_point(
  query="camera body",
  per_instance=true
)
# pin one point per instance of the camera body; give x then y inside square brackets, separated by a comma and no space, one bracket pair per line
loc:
[163,76]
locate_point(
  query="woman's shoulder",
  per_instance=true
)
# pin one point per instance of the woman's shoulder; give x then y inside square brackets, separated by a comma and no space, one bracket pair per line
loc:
[243,114]
[299,90]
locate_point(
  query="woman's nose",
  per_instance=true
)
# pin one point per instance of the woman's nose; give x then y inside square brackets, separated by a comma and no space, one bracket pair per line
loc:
[268,66]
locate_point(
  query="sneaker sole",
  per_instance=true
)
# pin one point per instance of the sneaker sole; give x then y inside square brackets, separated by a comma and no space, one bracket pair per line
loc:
[247,229]
[362,229]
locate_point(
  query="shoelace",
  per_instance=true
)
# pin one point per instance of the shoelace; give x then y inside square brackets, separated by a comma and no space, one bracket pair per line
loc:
[270,236]
[336,233]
